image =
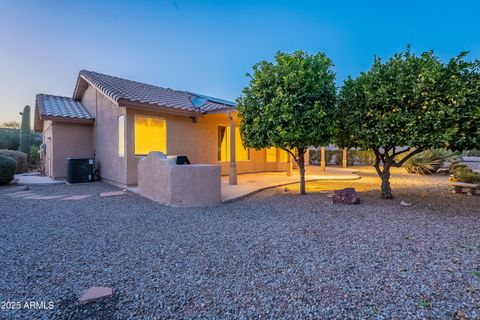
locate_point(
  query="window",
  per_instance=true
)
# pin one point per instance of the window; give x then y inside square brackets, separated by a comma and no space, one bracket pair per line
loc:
[121,136]
[241,153]
[283,155]
[271,154]
[150,135]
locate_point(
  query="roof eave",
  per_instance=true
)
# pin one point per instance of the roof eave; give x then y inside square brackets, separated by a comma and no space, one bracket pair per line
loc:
[157,108]
[66,119]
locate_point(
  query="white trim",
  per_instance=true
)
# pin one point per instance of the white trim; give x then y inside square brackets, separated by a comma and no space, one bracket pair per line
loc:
[118,136]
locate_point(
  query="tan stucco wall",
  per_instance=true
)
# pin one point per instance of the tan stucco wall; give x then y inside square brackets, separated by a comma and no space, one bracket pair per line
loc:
[188,185]
[112,168]
[65,140]
[198,141]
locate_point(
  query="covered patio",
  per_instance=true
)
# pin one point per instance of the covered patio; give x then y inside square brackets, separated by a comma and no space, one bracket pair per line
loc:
[252,182]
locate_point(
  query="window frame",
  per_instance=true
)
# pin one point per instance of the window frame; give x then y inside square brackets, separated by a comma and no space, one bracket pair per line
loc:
[119,118]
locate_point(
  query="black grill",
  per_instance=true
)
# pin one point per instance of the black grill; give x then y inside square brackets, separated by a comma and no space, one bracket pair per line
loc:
[182,160]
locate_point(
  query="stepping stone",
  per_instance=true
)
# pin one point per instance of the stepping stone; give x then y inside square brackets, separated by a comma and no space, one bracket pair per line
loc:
[22,195]
[79,197]
[95,293]
[22,188]
[33,196]
[18,192]
[112,194]
[49,197]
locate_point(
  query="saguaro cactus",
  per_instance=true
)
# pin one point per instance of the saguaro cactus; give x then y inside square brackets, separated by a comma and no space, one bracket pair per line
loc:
[25,132]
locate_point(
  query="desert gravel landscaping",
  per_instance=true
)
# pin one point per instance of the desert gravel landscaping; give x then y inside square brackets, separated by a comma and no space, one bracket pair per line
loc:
[274,254]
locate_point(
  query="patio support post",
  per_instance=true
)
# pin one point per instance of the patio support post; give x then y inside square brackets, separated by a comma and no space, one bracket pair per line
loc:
[232,175]
[322,158]
[344,158]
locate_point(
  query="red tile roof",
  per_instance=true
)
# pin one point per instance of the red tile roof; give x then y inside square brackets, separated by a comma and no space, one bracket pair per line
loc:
[122,89]
[49,106]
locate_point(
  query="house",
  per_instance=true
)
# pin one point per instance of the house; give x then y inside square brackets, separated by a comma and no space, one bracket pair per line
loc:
[119,121]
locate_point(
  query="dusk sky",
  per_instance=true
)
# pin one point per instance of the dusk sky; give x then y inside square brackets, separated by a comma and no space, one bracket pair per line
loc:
[209,46]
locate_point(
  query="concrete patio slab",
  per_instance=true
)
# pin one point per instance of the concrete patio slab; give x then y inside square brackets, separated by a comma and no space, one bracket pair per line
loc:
[253,182]
[35,179]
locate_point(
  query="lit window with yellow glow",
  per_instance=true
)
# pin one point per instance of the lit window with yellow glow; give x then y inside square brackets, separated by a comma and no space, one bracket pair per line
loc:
[121,136]
[283,155]
[271,154]
[241,153]
[150,135]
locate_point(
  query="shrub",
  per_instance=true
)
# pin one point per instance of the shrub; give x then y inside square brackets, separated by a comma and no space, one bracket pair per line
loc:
[9,138]
[362,157]
[34,158]
[429,161]
[454,166]
[8,166]
[472,153]
[19,157]
[466,175]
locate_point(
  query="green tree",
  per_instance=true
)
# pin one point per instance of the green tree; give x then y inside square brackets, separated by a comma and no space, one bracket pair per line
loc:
[289,104]
[409,104]
[25,131]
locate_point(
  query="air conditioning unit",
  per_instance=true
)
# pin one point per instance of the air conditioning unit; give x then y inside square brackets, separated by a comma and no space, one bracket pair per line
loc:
[80,170]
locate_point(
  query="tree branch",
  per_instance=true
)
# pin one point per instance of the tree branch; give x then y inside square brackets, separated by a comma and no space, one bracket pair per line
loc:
[408,156]
[377,161]
[291,153]
[400,152]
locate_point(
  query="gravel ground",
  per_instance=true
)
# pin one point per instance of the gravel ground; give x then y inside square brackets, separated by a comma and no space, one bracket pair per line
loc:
[275,254]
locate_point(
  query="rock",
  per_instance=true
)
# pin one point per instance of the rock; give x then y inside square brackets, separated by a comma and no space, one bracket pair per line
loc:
[95,293]
[405,204]
[346,196]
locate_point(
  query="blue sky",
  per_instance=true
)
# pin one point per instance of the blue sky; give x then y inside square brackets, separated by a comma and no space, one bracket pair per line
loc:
[209,46]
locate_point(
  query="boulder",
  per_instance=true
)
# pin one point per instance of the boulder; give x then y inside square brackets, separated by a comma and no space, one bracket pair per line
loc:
[346,196]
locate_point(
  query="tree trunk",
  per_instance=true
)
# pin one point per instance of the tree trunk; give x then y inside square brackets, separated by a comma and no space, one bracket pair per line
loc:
[386,190]
[301,169]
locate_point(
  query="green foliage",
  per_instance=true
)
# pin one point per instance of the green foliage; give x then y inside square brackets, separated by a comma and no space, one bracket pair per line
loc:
[10,138]
[429,161]
[289,104]
[8,166]
[466,175]
[25,131]
[454,166]
[410,100]
[34,161]
[19,157]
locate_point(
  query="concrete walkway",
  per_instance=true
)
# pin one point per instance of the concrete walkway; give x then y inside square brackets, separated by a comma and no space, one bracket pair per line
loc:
[253,182]
[34,178]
